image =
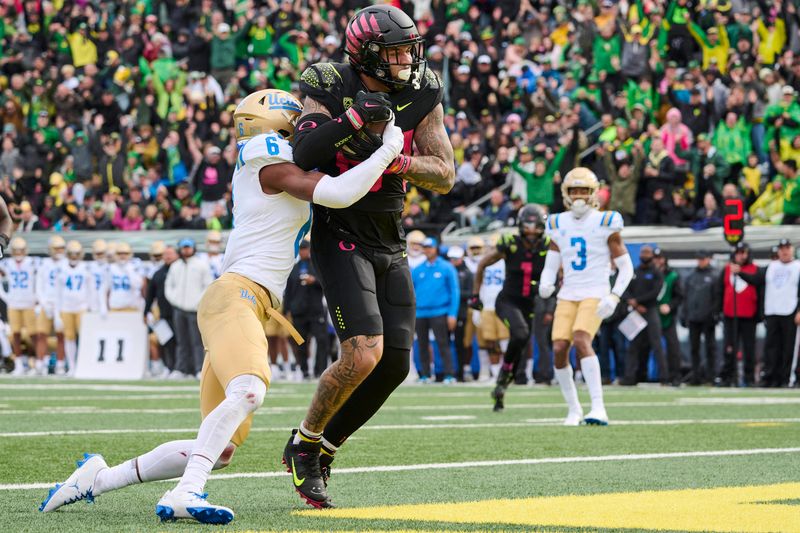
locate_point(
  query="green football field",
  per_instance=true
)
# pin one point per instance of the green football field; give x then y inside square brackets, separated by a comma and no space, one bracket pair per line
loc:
[435,458]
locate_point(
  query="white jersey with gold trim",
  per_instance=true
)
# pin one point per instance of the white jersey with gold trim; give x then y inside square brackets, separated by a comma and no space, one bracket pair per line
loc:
[74,288]
[585,257]
[267,228]
[46,281]
[21,277]
[124,285]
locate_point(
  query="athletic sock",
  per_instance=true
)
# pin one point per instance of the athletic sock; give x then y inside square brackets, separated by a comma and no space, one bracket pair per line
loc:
[243,395]
[494,368]
[568,389]
[119,476]
[71,353]
[306,434]
[594,381]
[328,448]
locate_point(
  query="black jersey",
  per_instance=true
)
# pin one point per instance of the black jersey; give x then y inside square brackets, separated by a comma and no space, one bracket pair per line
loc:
[373,221]
[523,266]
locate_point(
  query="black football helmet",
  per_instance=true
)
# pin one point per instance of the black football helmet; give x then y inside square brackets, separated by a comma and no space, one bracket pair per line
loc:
[531,217]
[384,27]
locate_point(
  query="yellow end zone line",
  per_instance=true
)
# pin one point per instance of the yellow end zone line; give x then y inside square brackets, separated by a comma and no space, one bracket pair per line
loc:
[484,464]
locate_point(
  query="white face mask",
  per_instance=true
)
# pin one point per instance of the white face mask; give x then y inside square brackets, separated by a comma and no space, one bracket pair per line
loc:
[58,256]
[214,248]
[579,207]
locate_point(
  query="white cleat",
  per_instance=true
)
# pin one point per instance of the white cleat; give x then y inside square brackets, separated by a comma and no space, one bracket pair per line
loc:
[596,417]
[78,486]
[191,505]
[574,418]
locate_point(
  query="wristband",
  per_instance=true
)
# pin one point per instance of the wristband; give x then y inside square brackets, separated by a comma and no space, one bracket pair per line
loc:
[400,165]
[354,118]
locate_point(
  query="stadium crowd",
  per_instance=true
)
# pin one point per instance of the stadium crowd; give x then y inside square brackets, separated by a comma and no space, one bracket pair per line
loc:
[118,114]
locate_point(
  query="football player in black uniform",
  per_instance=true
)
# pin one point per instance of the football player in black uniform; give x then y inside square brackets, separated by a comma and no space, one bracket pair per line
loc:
[359,252]
[524,256]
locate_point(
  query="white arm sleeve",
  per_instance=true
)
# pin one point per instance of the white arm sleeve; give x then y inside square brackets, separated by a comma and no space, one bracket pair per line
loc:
[552,262]
[349,187]
[625,275]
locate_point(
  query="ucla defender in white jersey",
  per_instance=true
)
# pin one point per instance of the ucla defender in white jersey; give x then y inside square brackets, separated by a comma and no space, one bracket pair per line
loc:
[583,241]
[20,271]
[75,291]
[271,216]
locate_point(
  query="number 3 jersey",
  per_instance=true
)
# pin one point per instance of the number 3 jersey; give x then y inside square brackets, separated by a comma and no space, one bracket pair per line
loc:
[585,256]
[267,228]
[523,266]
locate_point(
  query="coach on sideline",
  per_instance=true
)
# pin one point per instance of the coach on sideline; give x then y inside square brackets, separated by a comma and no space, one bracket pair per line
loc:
[188,277]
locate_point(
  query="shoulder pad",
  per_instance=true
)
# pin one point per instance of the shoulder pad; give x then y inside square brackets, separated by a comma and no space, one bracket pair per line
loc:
[612,220]
[432,80]
[321,76]
[265,149]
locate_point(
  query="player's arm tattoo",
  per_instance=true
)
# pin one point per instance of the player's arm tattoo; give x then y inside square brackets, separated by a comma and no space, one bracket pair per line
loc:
[341,379]
[616,246]
[311,106]
[434,168]
[488,259]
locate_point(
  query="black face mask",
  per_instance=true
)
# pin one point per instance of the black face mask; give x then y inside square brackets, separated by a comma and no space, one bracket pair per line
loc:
[646,261]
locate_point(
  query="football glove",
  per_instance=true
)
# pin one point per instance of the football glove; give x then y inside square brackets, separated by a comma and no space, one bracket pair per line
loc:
[474,302]
[362,145]
[607,306]
[546,291]
[369,107]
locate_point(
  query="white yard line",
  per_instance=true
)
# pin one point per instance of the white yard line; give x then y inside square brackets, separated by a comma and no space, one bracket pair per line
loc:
[482,464]
[277,409]
[383,427]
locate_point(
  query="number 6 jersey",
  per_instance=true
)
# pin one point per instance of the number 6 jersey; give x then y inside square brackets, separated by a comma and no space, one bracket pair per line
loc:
[585,257]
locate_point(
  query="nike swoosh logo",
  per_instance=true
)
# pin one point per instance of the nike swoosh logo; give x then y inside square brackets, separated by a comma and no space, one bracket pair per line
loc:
[370,105]
[401,107]
[295,479]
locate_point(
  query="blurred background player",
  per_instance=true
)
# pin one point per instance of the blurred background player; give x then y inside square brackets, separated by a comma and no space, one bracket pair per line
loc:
[260,254]
[124,282]
[304,307]
[493,333]
[45,295]
[20,272]
[583,241]
[187,279]
[414,241]
[157,307]
[213,252]
[463,344]
[74,292]
[99,269]
[156,261]
[523,255]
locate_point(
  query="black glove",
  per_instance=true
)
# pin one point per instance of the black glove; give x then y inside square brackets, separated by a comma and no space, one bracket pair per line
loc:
[475,302]
[372,107]
[362,145]
[3,245]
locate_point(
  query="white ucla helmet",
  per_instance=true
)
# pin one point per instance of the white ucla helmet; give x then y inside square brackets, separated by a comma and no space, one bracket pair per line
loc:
[580,178]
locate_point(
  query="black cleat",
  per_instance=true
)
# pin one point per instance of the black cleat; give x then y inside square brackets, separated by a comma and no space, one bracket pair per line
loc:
[325,461]
[302,460]
[497,395]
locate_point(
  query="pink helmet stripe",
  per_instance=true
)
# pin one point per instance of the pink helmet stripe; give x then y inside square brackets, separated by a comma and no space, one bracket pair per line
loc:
[374,24]
[356,30]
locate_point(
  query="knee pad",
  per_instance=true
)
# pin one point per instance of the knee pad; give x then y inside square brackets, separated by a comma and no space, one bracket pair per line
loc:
[248,390]
[520,335]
